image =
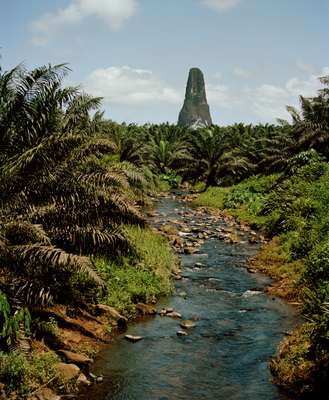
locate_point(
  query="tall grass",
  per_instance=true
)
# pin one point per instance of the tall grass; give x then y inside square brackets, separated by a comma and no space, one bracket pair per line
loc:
[140,278]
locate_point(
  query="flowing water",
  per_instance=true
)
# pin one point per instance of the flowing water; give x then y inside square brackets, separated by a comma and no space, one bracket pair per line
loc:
[225,356]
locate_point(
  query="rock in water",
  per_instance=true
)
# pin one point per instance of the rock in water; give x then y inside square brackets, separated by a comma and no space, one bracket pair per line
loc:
[133,339]
[195,112]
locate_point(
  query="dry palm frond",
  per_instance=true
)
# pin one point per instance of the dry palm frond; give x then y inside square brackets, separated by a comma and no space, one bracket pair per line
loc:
[18,233]
[52,258]
[95,145]
[90,240]
[43,156]
[30,294]
[105,179]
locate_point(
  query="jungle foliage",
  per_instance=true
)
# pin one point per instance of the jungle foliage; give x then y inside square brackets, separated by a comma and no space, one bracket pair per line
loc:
[289,199]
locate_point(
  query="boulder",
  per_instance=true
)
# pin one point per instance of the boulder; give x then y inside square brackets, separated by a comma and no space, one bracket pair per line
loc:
[45,394]
[83,381]
[181,333]
[133,339]
[75,358]
[187,324]
[145,309]
[67,372]
[112,313]
[189,250]
[174,314]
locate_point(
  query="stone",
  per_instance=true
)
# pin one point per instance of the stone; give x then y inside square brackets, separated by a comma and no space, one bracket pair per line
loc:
[181,333]
[112,313]
[169,309]
[83,380]
[133,339]
[253,240]
[67,372]
[189,250]
[46,394]
[75,358]
[174,314]
[199,265]
[187,324]
[195,112]
[145,309]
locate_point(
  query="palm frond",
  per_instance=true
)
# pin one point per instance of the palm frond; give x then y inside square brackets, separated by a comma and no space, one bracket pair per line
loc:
[52,258]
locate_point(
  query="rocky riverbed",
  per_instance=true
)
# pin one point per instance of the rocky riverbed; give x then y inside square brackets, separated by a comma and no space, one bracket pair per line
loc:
[215,336]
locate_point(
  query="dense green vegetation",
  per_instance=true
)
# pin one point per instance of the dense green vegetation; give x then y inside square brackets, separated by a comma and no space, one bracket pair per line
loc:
[141,280]
[72,187]
[70,193]
[292,205]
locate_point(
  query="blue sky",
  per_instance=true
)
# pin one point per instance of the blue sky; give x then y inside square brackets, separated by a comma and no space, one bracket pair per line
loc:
[257,55]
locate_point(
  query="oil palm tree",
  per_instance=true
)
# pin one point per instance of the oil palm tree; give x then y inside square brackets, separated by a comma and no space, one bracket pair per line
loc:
[60,204]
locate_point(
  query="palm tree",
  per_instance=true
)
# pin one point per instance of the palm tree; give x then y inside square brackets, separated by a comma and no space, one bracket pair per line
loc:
[60,203]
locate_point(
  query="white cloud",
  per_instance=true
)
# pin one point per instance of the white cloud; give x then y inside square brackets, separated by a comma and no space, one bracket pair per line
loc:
[130,86]
[265,102]
[220,5]
[133,89]
[270,101]
[113,13]
[220,96]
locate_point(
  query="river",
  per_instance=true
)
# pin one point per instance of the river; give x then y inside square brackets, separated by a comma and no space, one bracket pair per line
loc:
[226,355]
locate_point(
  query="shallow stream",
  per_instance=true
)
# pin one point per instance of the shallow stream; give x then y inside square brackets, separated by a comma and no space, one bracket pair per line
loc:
[226,355]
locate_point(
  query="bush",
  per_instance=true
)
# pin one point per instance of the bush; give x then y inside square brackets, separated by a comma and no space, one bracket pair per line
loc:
[14,371]
[317,269]
[23,375]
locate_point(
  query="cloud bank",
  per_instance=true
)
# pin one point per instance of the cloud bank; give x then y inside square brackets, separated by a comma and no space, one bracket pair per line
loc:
[130,86]
[113,13]
[135,88]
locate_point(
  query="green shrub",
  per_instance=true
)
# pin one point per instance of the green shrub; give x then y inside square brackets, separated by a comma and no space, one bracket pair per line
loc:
[317,269]
[23,375]
[12,322]
[171,179]
[14,371]
[212,197]
[48,328]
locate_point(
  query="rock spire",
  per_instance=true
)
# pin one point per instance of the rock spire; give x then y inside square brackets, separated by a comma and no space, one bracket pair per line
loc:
[195,112]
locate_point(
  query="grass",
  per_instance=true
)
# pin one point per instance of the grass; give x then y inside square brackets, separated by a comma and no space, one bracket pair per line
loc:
[292,367]
[216,197]
[143,279]
[292,209]
[274,260]
[213,197]
[25,375]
